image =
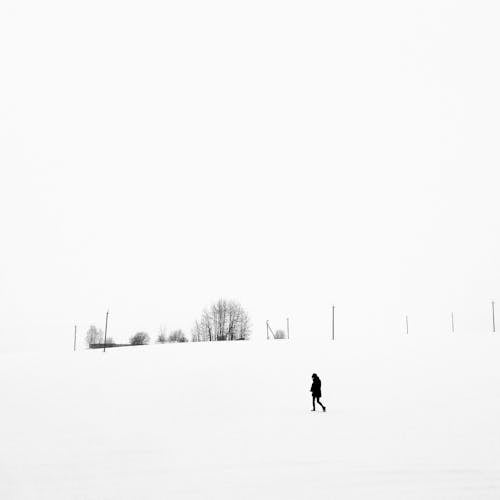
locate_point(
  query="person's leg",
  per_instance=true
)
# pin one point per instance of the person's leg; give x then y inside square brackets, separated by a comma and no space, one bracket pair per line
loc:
[314,406]
[321,404]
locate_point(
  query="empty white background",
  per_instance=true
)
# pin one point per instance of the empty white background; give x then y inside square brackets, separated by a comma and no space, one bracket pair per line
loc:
[157,155]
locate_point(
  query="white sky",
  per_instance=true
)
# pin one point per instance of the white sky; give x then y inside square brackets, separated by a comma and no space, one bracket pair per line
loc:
[157,155]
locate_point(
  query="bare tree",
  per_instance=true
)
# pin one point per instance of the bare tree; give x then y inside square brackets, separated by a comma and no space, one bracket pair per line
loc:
[162,335]
[140,338]
[280,334]
[225,320]
[177,336]
[93,336]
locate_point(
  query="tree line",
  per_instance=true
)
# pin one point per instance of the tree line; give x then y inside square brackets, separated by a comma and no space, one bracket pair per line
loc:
[223,320]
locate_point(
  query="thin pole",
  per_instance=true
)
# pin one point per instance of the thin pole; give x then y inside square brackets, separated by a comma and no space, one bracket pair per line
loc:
[452,323]
[406,325]
[267,329]
[493,314]
[287,328]
[74,341]
[333,322]
[106,330]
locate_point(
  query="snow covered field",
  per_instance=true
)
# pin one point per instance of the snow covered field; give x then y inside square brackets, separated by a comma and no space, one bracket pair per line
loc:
[407,418]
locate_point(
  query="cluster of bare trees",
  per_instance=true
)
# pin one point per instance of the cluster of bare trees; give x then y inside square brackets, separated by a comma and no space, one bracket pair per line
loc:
[95,337]
[225,320]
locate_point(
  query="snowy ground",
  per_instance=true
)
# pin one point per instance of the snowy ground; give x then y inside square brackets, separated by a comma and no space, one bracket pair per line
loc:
[406,419]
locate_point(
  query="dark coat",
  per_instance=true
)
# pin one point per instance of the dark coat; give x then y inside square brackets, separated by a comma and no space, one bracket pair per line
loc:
[316,388]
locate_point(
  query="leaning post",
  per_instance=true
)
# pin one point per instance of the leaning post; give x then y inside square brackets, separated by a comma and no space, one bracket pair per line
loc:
[106,330]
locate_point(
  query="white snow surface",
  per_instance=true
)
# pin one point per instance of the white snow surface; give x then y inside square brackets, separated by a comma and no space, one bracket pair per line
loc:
[407,418]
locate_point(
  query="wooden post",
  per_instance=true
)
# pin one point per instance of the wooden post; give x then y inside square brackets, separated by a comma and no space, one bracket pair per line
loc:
[287,328]
[406,325]
[106,330]
[493,315]
[333,322]
[74,341]
[452,323]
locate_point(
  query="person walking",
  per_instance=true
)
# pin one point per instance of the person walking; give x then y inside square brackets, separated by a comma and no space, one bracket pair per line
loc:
[316,392]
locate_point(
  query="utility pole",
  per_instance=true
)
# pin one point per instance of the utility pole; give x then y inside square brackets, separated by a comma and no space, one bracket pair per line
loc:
[406,325]
[287,328]
[106,330]
[74,341]
[493,314]
[333,322]
[452,323]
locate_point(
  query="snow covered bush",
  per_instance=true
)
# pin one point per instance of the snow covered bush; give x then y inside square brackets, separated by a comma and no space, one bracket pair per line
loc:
[140,338]
[280,334]
[177,336]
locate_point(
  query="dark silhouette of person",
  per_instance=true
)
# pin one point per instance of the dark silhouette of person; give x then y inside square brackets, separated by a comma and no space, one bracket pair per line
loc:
[316,392]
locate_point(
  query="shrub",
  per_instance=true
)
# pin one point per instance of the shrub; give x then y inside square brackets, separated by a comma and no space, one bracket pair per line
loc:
[177,336]
[140,338]
[280,334]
